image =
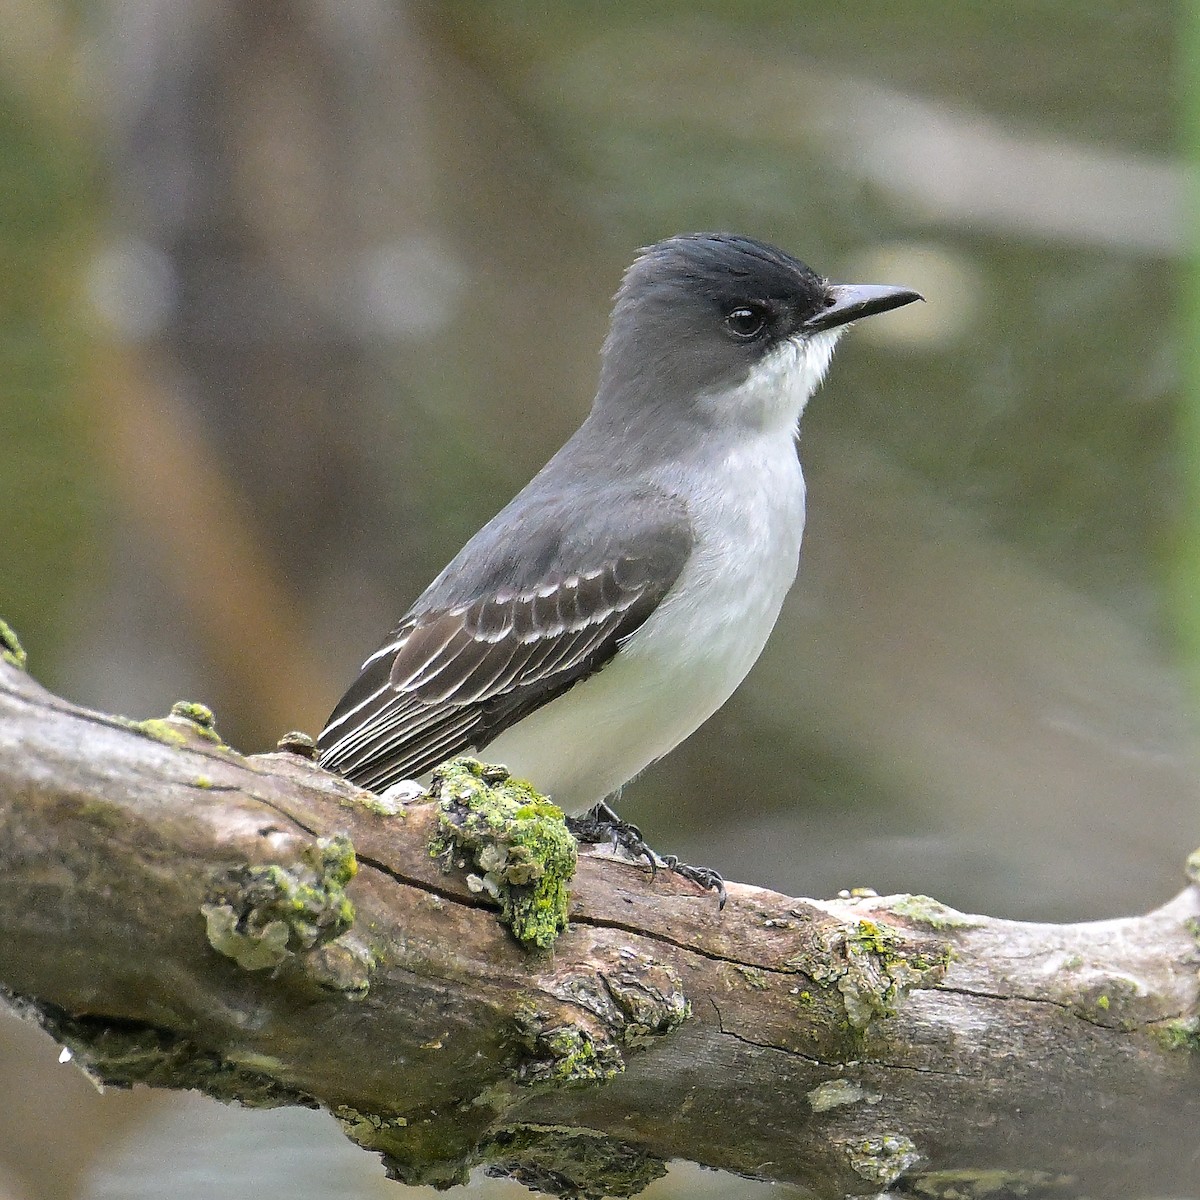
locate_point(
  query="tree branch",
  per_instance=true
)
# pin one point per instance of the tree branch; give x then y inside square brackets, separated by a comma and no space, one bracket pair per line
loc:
[178,914]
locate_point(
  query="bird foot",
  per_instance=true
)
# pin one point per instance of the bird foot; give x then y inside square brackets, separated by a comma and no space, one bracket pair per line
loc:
[705,877]
[600,824]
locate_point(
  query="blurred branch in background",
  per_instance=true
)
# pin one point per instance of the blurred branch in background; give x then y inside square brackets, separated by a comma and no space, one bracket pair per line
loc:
[51,531]
[1187,566]
[184,506]
[54,523]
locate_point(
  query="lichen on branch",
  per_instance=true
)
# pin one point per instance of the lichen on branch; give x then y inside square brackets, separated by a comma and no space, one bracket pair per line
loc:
[512,842]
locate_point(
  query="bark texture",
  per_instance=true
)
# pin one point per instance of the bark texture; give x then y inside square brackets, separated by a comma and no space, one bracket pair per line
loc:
[182,915]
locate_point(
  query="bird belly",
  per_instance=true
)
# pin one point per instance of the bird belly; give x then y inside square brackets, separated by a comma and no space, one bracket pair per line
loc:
[686,660]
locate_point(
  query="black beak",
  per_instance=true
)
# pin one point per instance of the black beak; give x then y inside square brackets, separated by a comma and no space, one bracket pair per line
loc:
[849,301]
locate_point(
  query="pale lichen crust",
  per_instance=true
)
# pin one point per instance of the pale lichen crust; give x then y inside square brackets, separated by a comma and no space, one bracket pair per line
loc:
[513,843]
[11,650]
[880,1160]
[1192,867]
[874,968]
[836,1093]
[263,916]
[924,910]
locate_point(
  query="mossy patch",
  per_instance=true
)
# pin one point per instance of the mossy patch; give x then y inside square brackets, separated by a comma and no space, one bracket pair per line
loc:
[11,650]
[516,841]
[924,910]
[566,1161]
[564,1055]
[197,713]
[874,968]
[1179,1034]
[418,1148]
[260,916]
[381,806]
[297,742]
[187,723]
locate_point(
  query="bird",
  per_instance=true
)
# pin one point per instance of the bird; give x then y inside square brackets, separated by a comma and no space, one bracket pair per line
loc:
[621,597]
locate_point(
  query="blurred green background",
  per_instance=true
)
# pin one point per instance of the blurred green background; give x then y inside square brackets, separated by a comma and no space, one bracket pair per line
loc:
[295,295]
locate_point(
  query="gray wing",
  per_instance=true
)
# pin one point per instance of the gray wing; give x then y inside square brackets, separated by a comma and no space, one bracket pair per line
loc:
[456,675]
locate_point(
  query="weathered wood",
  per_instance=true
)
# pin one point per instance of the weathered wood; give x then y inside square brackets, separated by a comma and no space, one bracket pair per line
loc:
[849,1045]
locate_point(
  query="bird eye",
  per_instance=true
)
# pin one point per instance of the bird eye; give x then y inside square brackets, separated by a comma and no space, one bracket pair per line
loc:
[746,321]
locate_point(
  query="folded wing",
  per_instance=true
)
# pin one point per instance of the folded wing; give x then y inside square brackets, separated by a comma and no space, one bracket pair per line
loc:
[452,678]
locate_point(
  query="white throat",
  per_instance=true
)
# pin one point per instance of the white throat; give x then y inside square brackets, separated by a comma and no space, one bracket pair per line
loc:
[778,387]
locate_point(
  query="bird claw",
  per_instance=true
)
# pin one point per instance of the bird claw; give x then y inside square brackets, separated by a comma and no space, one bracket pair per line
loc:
[705,877]
[601,824]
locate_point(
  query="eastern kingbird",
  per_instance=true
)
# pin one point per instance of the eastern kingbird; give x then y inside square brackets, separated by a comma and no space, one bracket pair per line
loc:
[618,601]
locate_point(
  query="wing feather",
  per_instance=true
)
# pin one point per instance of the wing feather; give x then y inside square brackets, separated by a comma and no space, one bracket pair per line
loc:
[455,675]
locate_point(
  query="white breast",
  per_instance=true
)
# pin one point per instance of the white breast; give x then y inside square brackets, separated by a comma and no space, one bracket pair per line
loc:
[693,651]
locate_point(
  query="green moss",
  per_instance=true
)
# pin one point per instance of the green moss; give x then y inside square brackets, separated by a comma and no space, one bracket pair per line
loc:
[161,729]
[261,916]
[518,843]
[924,910]
[418,1148]
[563,1055]
[203,782]
[11,650]
[338,863]
[187,722]
[873,938]
[874,968]
[1103,1003]
[1179,1034]
[577,1058]
[556,1159]
[566,1161]
[298,742]
[876,978]
[192,710]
